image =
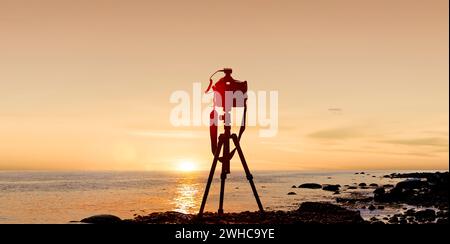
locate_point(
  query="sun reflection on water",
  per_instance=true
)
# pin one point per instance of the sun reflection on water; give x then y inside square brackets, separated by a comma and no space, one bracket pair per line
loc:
[186,198]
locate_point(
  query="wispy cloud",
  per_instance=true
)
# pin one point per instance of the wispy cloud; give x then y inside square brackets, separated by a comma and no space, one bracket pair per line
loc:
[430,141]
[338,133]
[419,154]
[177,134]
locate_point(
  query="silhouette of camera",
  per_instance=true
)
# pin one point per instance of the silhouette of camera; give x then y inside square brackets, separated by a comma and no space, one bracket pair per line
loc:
[230,93]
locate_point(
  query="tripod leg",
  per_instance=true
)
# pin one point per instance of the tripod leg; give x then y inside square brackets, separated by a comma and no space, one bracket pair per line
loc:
[211,175]
[223,177]
[247,171]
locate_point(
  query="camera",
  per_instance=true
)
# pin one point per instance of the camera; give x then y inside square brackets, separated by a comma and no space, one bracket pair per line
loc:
[229,92]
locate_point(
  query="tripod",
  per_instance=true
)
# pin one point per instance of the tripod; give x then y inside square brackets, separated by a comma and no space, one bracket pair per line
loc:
[224,143]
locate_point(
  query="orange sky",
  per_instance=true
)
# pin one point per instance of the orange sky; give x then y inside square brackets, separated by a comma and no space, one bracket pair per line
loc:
[86,84]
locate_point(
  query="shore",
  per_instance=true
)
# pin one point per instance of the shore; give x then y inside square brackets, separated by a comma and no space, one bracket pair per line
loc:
[425,194]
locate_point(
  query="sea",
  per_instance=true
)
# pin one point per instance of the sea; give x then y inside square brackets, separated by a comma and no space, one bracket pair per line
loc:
[66,196]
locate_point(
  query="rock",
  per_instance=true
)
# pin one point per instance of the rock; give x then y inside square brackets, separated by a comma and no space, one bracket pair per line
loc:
[442,221]
[354,199]
[425,215]
[336,193]
[294,186]
[362,173]
[388,186]
[410,212]
[379,194]
[411,184]
[329,212]
[442,213]
[102,219]
[380,207]
[373,176]
[362,184]
[393,220]
[310,186]
[169,217]
[377,222]
[379,191]
[432,192]
[292,193]
[371,207]
[330,188]
[352,187]
[373,185]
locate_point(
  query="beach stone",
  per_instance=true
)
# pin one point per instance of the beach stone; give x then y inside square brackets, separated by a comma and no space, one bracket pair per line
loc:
[442,221]
[102,219]
[425,215]
[393,220]
[330,188]
[294,186]
[352,187]
[362,184]
[442,213]
[411,184]
[292,193]
[353,199]
[388,186]
[379,191]
[379,222]
[371,207]
[410,212]
[380,207]
[373,185]
[310,186]
[321,212]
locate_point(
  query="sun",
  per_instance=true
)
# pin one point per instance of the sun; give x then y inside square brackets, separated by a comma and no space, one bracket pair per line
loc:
[186,166]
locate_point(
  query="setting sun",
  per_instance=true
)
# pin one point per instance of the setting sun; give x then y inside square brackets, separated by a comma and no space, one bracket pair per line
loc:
[186,166]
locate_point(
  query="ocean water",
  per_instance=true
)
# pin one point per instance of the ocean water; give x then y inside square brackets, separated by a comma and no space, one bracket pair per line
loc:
[61,197]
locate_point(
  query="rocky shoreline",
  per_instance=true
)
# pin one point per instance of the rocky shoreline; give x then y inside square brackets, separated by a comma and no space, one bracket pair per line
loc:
[426,194]
[308,213]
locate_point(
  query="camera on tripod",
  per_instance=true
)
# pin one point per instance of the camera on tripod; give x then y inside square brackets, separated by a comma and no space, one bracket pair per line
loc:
[228,93]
